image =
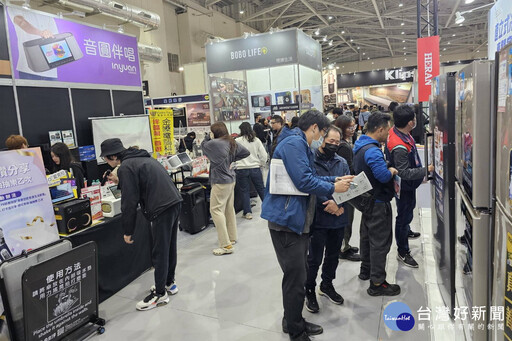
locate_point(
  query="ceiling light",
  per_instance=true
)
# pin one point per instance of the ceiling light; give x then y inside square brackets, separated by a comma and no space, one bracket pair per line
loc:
[459,19]
[327,58]
[402,24]
[337,67]
[405,58]
[330,43]
[364,53]
[405,53]
[358,47]
[454,35]
[400,5]
[242,12]
[373,63]
[325,38]
[477,51]
[342,32]
[330,17]
[403,32]
[444,49]
[351,40]
[181,68]
[317,32]
[469,1]
[403,41]
[405,47]
[448,43]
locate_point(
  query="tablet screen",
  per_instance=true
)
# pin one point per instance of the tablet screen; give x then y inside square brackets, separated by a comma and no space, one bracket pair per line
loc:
[56,51]
[61,192]
[116,192]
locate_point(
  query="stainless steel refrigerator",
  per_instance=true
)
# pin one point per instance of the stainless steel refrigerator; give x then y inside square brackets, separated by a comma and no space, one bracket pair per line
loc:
[441,152]
[502,255]
[475,160]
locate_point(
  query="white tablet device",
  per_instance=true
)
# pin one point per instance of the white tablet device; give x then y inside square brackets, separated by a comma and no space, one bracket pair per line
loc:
[44,54]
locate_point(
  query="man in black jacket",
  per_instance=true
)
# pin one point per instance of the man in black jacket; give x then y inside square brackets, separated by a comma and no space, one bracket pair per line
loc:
[403,155]
[144,181]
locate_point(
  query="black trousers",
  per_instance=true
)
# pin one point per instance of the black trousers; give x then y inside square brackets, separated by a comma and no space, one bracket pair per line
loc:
[376,239]
[405,214]
[323,239]
[349,211]
[291,251]
[164,231]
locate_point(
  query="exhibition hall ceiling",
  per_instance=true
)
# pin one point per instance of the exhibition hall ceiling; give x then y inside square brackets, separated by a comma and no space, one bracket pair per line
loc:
[356,30]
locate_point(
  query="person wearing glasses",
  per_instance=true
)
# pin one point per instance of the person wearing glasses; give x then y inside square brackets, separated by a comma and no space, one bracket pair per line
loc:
[347,125]
[290,216]
[277,125]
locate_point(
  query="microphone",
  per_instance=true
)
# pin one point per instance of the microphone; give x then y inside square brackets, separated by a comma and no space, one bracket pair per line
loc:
[105,177]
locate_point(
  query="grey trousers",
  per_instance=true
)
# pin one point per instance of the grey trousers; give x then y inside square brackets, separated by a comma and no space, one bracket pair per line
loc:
[376,238]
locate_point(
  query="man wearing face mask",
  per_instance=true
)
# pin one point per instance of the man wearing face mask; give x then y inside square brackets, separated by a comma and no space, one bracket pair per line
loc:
[403,155]
[290,216]
[327,231]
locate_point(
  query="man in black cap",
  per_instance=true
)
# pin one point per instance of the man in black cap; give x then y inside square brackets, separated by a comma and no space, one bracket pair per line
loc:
[144,181]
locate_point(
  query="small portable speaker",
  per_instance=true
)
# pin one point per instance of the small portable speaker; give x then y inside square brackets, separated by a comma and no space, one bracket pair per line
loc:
[73,216]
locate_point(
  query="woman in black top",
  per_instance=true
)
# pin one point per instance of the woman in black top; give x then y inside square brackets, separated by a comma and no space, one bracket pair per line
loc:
[62,158]
[347,125]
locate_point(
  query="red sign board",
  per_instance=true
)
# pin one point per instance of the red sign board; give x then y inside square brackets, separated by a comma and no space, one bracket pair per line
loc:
[428,65]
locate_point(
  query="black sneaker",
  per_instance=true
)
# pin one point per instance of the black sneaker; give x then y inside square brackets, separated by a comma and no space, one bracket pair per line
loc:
[350,255]
[329,292]
[302,337]
[385,289]
[354,249]
[311,302]
[364,277]
[407,260]
[413,235]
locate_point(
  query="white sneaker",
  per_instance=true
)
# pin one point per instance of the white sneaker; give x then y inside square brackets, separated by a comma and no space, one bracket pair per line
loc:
[171,289]
[247,216]
[153,300]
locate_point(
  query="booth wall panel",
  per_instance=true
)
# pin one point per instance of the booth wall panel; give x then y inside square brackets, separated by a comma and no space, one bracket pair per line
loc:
[8,116]
[89,103]
[43,110]
[128,102]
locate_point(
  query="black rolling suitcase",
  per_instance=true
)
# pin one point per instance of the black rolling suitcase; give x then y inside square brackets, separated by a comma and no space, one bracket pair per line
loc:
[194,212]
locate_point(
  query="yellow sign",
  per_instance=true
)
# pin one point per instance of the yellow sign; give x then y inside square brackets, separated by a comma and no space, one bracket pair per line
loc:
[162,131]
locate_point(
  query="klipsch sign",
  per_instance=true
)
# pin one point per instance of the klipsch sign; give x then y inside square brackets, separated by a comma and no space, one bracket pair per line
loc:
[387,76]
[428,65]
[263,50]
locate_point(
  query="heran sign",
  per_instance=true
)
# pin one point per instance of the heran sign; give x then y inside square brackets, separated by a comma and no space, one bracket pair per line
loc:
[388,76]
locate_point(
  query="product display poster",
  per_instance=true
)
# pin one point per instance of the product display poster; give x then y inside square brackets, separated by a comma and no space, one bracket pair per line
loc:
[503,80]
[329,82]
[499,30]
[28,221]
[229,99]
[61,50]
[55,137]
[162,131]
[439,173]
[508,288]
[198,114]
[68,138]
[61,294]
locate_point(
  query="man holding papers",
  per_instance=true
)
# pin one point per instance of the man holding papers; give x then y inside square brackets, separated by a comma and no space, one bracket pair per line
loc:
[290,216]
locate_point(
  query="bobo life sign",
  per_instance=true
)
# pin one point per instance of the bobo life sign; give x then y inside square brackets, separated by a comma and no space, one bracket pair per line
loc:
[44,47]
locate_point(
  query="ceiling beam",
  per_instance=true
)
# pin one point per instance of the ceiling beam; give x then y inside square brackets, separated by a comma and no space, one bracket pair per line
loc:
[268,9]
[346,42]
[341,6]
[211,3]
[455,8]
[280,15]
[308,5]
[295,21]
[382,25]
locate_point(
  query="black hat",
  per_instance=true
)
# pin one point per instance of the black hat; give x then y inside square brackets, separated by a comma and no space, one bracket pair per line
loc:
[111,147]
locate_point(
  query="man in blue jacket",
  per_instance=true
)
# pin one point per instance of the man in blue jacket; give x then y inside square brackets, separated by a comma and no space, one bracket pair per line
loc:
[327,231]
[376,224]
[290,216]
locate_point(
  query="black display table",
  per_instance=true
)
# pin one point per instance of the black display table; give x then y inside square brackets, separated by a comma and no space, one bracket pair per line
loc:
[118,263]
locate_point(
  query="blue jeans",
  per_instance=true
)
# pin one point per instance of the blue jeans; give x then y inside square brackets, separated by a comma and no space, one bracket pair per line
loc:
[405,213]
[243,176]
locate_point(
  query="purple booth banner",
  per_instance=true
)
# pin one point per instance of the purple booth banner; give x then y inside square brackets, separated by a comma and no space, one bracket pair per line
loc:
[44,47]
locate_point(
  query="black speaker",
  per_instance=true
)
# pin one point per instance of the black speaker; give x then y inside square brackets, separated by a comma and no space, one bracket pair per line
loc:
[73,216]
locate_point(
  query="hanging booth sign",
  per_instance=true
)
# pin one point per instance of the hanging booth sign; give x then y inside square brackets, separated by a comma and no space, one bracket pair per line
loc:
[428,65]
[45,47]
[28,221]
[162,131]
[500,27]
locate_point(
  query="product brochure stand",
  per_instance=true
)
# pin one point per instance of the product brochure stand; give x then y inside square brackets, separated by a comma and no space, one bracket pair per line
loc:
[38,309]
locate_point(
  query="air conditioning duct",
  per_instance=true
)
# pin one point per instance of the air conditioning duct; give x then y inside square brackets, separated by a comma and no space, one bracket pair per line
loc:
[117,9]
[150,53]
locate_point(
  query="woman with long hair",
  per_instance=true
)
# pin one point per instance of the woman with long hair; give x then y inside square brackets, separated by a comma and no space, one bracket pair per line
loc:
[248,170]
[347,126]
[63,160]
[222,150]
